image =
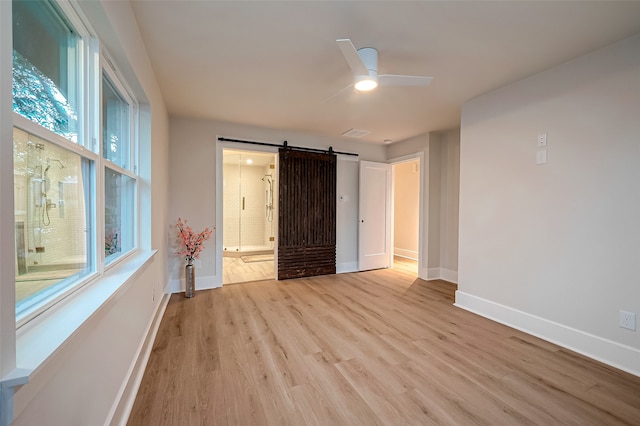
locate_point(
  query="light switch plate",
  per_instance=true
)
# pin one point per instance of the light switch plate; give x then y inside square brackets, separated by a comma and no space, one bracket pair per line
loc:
[541,156]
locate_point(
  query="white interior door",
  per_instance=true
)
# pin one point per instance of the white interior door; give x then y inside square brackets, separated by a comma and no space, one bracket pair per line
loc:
[374,233]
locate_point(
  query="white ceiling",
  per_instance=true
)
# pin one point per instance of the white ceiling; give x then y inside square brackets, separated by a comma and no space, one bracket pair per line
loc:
[277,65]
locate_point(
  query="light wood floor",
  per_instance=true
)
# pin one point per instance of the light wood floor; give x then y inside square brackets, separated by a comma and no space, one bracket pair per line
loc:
[372,348]
[404,265]
[236,270]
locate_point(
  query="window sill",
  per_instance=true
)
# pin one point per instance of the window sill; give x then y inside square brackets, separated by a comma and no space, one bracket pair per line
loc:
[38,340]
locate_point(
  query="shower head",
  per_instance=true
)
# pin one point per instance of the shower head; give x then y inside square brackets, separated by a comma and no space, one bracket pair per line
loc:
[267,177]
[49,160]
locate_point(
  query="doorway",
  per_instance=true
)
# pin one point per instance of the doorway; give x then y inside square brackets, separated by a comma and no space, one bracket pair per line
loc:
[406,215]
[249,216]
[381,212]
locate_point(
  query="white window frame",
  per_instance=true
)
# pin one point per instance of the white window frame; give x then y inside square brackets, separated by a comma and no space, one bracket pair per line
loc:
[53,138]
[87,44]
[107,67]
[92,62]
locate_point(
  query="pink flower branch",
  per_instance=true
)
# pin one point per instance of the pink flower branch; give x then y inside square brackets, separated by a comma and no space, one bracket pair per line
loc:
[191,243]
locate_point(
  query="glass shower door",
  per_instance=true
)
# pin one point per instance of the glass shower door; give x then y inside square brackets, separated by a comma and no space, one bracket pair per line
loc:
[248,181]
[248,210]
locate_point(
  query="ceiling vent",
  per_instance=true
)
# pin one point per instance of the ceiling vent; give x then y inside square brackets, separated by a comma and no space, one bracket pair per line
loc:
[355,133]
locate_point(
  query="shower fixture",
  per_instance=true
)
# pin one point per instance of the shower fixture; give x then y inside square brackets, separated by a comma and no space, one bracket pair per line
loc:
[36,145]
[53,160]
[41,186]
[268,197]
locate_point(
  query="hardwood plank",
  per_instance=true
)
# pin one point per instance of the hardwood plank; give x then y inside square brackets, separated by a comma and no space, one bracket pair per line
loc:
[373,390]
[342,397]
[373,348]
[235,270]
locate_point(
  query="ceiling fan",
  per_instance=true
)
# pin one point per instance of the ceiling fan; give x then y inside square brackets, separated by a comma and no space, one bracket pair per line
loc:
[364,64]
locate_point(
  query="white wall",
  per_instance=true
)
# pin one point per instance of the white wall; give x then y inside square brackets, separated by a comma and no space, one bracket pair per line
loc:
[449,204]
[348,177]
[435,196]
[406,202]
[91,378]
[553,249]
[192,186]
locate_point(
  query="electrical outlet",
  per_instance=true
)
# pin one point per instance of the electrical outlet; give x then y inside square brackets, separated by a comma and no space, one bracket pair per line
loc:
[542,139]
[628,320]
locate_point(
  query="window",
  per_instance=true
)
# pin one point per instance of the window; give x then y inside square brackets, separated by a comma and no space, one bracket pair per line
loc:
[53,211]
[115,125]
[119,230]
[46,67]
[119,179]
[75,181]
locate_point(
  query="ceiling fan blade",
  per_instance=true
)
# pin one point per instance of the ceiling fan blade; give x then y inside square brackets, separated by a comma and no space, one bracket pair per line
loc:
[351,55]
[403,80]
[339,93]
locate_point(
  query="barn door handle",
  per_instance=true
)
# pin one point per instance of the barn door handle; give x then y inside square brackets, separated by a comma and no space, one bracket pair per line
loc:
[242,203]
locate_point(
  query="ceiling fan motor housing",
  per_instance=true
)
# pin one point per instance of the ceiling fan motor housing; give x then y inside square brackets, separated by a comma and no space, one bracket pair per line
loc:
[369,57]
[364,64]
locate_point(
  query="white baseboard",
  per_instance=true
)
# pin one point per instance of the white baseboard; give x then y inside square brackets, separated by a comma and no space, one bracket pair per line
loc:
[433,274]
[609,352]
[409,254]
[449,275]
[202,283]
[441,274]
[121,410]
[346,267]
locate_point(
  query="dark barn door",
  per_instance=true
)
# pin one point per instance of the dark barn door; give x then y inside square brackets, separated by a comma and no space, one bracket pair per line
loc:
[307,218]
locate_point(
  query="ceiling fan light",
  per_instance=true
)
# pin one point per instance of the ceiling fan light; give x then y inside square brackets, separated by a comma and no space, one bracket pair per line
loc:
[366,84]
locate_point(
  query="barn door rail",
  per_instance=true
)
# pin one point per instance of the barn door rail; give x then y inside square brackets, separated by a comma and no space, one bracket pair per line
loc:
[285,145]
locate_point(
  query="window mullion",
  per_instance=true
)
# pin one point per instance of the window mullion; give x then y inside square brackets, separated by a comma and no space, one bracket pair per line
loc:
[134,140]
[27,125]
[100,219]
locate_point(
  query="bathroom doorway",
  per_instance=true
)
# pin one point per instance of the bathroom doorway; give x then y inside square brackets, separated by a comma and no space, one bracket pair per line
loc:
[406,215]
[249,216]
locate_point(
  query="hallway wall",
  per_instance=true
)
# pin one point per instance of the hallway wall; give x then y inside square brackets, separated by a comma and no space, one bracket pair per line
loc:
[406,194]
